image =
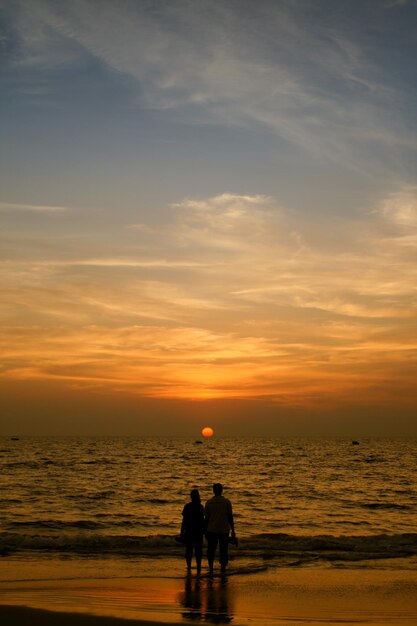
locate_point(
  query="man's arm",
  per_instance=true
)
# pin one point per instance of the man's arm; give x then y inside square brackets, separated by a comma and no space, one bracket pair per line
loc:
[230,519]
[182,531]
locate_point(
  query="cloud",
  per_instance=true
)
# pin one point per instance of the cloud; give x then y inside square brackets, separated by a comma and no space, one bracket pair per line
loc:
[400,208]
[226,221]
[280,66]
[41,208]
[389,4]
[245,303]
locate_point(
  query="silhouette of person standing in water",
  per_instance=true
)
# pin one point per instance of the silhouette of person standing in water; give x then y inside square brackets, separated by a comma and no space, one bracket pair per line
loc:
[192,529]
[219,520]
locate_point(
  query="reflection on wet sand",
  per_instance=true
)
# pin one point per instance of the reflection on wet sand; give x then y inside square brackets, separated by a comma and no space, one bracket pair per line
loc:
[206,600]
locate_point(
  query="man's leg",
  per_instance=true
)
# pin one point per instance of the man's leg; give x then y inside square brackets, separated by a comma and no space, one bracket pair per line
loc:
[224,550]
[212,539]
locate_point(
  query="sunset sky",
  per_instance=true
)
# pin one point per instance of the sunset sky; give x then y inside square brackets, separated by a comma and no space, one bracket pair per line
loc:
[208,214]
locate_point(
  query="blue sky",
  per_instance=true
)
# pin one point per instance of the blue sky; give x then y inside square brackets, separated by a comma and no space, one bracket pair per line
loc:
[221,187]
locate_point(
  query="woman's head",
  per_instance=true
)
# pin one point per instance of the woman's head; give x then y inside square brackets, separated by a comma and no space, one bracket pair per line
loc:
[195,496]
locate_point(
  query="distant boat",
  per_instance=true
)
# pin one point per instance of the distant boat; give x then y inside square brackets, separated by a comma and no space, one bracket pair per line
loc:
[356,443]
[198,441]
[14,438]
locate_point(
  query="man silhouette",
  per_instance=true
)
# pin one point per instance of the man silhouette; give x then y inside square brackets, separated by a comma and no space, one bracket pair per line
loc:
[219,520]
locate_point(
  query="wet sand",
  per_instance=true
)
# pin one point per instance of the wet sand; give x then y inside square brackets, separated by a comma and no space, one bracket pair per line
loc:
[305,596]
[26,616]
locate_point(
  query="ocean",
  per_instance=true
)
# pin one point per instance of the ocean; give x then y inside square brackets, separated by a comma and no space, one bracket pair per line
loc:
[297,502]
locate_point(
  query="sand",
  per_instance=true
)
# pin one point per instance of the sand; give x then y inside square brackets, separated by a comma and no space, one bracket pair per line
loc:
[26,616]
[286,596]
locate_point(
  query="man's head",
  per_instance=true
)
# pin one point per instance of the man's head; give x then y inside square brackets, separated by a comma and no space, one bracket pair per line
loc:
[217,489]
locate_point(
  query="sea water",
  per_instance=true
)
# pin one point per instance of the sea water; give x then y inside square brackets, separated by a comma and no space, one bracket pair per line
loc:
[295,501]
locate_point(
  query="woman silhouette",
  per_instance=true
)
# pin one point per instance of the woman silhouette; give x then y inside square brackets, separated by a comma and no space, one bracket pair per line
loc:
[192,529]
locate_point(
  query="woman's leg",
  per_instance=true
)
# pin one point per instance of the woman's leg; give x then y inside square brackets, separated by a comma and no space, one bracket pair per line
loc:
[198,551]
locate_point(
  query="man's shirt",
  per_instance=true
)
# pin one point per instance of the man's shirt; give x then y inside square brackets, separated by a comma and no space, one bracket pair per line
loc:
[218,511]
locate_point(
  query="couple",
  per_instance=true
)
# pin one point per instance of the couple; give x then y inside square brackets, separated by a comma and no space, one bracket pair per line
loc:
[214,521]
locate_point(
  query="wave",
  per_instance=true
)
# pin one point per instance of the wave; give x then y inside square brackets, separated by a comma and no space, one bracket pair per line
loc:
[92,496]
[387,505]
[152,501]
[98,462]
[403,544]
[57,525]
[266,547]
[26,464]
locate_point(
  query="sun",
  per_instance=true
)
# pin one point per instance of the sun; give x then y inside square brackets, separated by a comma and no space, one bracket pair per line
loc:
[207,431]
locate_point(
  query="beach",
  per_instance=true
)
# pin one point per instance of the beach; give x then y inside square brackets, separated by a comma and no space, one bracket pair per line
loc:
[326,532]
[311,595]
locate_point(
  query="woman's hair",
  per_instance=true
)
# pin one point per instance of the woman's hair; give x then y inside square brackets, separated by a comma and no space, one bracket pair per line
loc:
[195,496]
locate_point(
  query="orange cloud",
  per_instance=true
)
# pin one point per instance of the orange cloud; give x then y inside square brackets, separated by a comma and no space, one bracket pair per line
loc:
[245,302]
